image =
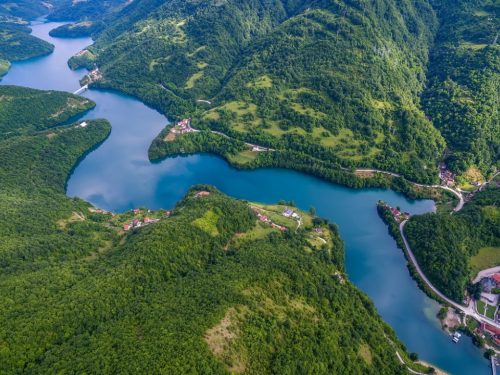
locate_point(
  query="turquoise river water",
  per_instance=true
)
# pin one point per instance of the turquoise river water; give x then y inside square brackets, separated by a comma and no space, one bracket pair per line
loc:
[118,176]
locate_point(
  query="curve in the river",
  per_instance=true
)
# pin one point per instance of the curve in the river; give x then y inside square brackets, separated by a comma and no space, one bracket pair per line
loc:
[119,176]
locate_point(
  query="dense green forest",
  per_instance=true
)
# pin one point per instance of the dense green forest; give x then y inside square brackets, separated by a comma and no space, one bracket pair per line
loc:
[293,155]
[342,75]
[464,82]
[207,290]
[23,109]
[16,44]
[444,244]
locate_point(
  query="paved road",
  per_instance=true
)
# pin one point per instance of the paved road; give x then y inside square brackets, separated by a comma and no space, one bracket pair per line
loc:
[467,310]
[487,272]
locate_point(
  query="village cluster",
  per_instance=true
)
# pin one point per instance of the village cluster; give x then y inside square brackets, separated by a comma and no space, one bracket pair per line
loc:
[398,216]
[265,219]
[488,329]
[135,223]
[448,178]
[182,127]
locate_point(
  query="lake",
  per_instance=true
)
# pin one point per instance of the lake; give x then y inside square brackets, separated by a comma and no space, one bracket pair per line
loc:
[118,176]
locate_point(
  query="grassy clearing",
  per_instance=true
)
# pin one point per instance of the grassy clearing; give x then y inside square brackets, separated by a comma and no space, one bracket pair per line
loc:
[480,307]
[245,156]
[261,82]
[196,51]
[490,312]
[364,352]
[208,222]
[486,258]
[192,80]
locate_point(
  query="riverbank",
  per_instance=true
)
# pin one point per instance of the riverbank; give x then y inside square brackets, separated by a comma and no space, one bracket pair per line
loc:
[169,144]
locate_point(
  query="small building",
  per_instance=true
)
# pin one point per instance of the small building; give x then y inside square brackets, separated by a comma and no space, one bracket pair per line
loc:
[396,213]
[146,220]
[282,228]
[487,284]
[406,213]
[496,341]
[318,230]
[83,124]
[136,211]
[126,227]
[287,213]
[263,218]
[202,193]
[295,215]
[167,213]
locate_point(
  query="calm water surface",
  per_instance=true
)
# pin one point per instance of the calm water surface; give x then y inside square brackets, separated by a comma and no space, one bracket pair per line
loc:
[118,176]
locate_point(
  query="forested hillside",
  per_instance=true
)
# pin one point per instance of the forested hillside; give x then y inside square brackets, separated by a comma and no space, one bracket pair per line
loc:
[207,289]
[444,244]
[463,92]
[16,44]
[23,109]
[343,76]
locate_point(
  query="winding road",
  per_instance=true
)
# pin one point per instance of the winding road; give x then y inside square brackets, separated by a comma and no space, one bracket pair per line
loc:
[467,310]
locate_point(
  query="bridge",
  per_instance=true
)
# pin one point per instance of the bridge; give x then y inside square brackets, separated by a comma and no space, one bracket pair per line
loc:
[81,89]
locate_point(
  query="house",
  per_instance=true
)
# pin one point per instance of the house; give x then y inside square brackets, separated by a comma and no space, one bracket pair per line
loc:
[287,213]
[256,211]
[126,227]
[295,215]
[136,211]
[407,213]
[496,341]
[167,213]
[318,230]
[146,220]
[282,228]
[496,278]
[202,193]
[488,328]
[83,124]
[396,213]
[263,218]
[98,211]
[487,284]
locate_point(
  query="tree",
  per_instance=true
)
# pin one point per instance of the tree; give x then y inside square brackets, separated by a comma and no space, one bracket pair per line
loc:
[312,210]
[432,370]
[490,353]
[281,202]
[414,357]
[291,204]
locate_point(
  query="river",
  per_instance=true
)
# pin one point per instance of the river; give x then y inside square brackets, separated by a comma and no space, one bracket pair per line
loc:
[118,176]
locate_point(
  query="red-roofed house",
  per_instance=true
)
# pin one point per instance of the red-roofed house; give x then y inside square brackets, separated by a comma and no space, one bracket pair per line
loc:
[496,341]
[136,211]
[263,218]
[167,213]
[146,219]
[496,277]
[396,212]
[204,193]
[126,227]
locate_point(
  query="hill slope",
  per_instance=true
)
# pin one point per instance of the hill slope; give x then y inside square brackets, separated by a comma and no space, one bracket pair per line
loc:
[210,289]
[341,75]
[23,109]
[464,74]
